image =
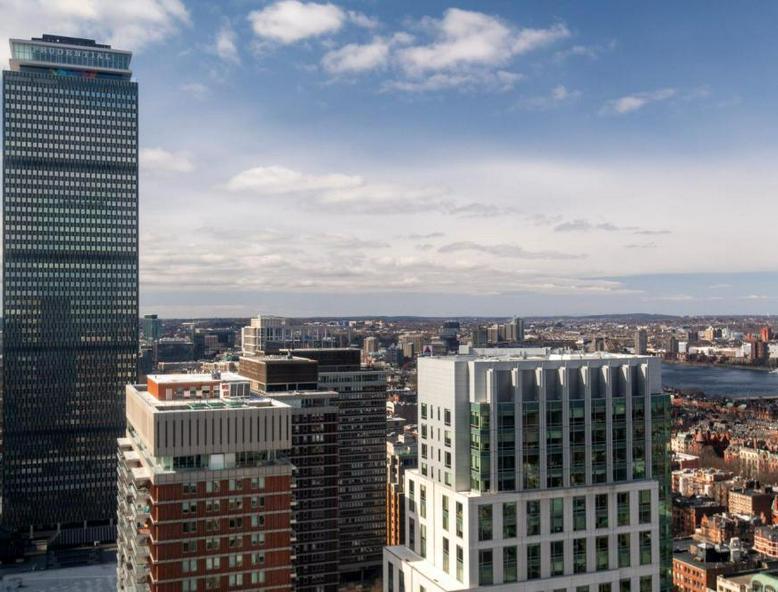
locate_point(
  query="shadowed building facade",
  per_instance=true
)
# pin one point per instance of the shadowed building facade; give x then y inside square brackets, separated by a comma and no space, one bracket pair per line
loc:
[70,283]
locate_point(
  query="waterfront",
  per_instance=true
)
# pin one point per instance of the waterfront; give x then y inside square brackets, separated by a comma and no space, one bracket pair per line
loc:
[720,382]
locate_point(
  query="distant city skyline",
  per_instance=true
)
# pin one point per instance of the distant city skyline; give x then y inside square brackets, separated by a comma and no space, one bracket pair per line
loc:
[478,158]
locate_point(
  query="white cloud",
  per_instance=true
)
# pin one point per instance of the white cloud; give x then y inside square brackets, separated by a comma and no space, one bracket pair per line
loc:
[634,102]
[559,95]
[466,81]
[466,38]
[225,45]
[289,21]
[505,250]
[352,194]
[161,160]
[584,225]
[357,58]
[197,89]
[125,25]
[273,180]
[362,20]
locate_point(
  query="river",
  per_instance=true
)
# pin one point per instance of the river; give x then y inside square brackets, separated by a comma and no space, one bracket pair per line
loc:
[721,382]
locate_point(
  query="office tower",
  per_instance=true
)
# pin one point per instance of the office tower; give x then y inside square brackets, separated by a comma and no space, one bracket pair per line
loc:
[314,454]
[641,342]
[70,289]
[362,458]
[537,473]
[449,335]
[480,337]
[514,330]
[401,455]
[152,327]
[205,488]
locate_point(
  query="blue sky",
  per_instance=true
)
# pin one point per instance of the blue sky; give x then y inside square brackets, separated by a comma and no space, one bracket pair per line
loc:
[477,158]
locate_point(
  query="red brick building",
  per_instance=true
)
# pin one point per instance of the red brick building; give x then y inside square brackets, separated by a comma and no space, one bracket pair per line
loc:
[205,489]
[766,540]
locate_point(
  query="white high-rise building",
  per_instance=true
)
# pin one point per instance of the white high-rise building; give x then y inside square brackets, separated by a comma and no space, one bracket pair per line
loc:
[537,473]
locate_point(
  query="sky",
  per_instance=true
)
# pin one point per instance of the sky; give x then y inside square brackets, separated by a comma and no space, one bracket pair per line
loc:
[427,158]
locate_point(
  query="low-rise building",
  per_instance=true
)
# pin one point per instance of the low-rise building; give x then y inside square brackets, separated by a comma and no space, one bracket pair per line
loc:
[751,502]
[696,570]
[719,529]
[688,513]
[766,540]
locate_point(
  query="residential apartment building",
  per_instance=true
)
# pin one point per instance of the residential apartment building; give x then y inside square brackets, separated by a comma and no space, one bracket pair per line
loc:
[402,453]
[751,502]
[314,454]
[766,540]
[361,457]
[70,284]
[204,487]
[537,473]
[698,569]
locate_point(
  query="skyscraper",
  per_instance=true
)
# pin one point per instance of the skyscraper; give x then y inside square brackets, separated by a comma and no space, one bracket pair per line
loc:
[314,454]
[641,342]
[70,289]
[152,327]
[537,473]
[361,406]
[205,487]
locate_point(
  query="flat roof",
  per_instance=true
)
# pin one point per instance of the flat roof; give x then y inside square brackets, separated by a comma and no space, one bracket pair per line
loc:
[182,378]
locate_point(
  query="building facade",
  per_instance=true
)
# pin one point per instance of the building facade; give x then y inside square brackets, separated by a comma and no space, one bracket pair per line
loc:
[361,458]
[544,473]
[204,487]
[314,454]
[401,454]
[70,283]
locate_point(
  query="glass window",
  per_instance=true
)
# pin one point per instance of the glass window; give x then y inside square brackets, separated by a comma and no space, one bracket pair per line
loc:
[557,515]
[625,550]
[601,547]
[444,500]
[625,585]
[645,547]
[579,556]
[459,519]
[485,575]
[533,561]
[445,554]
[460,563]
[423,540]
[646,584]
[509,520]
[485,522]
[604,587]
[601,510]
[622,508]
[390,576]
[645,506]
[557,558]
[579,512]
[422,501]
[533,517]
[509,564]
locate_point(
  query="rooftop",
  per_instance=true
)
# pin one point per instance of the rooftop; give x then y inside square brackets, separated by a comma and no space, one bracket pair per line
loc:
[200,378]
[68,56]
